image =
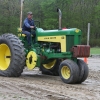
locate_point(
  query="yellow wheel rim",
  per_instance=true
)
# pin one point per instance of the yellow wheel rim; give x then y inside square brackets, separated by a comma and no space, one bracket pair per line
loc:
[65,71]
[49,65]
[5,57]
[31,60]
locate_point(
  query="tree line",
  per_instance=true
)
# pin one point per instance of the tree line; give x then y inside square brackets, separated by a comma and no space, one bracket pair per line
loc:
[75,14]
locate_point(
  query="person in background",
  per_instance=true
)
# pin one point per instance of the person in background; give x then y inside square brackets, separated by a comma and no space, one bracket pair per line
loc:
[28,25]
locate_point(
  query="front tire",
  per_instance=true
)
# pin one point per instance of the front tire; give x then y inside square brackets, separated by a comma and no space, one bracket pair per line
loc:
[69,71]
[12,56]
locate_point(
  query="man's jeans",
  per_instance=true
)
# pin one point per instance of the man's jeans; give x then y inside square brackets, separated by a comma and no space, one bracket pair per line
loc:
[28,35]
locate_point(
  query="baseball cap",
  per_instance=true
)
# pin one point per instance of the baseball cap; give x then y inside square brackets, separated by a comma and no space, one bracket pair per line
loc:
[29,13]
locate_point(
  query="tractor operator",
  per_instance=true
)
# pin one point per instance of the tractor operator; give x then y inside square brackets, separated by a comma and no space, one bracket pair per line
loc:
[28,25]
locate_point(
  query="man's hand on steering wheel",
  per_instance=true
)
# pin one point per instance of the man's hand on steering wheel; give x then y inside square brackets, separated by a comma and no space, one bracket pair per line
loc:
[31,26]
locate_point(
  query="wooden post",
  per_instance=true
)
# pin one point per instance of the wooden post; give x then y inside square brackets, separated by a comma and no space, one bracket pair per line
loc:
[88,34]
[21,13]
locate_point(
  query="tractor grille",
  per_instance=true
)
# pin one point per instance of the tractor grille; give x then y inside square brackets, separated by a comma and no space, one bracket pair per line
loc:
[70,42]
[70,39]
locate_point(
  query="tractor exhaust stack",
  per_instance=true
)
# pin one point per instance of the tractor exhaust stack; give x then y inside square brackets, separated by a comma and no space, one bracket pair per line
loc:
[60,18]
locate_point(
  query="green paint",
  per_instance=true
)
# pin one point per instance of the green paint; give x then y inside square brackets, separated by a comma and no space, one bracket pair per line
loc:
[59,55]
[41,32]
[70,41]
[38,61]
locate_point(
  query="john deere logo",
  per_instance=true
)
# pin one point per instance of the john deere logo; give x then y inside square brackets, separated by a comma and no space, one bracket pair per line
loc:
[50,38]
[77,30]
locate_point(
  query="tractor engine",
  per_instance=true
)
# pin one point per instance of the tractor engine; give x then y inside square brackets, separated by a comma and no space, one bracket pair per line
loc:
[51,47]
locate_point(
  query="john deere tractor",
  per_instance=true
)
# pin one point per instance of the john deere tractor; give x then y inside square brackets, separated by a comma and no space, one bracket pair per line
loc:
[55,52]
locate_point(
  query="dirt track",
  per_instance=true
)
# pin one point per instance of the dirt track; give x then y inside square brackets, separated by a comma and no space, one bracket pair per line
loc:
[34,86]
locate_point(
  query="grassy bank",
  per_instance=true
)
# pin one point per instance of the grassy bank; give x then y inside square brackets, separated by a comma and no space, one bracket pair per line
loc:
[95,50]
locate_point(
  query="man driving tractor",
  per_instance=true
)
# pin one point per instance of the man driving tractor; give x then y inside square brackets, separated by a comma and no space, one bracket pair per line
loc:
[28,25]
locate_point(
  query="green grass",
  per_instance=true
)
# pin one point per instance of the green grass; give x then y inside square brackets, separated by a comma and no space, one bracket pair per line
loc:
[95,50]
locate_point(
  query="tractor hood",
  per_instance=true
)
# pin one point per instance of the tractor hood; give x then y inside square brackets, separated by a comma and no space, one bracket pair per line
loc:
[66,37]
[57,32]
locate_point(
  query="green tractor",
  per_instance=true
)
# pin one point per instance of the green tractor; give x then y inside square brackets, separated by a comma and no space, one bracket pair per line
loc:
[55,52]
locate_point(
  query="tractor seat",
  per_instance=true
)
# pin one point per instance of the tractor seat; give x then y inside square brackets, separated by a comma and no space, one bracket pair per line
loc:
[20,33]
[23,35]
[19,30]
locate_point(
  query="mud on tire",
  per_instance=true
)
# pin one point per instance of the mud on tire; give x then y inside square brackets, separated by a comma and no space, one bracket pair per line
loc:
[12,56]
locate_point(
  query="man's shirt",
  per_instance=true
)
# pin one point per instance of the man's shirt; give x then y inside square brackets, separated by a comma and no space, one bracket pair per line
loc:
[27,24]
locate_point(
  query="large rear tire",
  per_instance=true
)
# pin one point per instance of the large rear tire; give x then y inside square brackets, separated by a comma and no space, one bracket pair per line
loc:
[12,56]
[84,71]
[69,71]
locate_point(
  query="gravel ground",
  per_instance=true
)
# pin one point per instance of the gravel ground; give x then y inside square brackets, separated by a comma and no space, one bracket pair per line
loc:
[32,85]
